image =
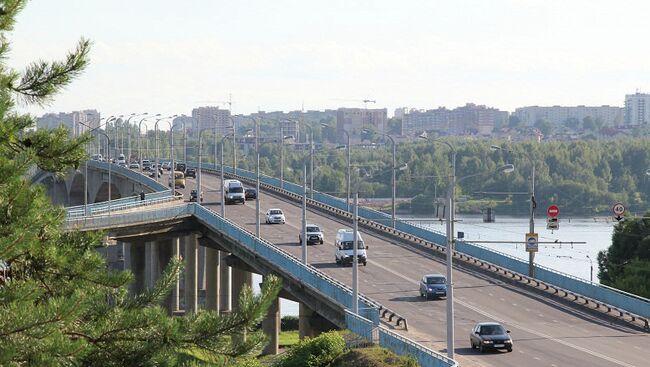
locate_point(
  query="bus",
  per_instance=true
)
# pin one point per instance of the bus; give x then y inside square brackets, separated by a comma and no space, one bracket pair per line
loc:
[179,180]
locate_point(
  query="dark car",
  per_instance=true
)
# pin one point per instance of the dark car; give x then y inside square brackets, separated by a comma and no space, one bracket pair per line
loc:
[250,193]
[433,285]
[190,172]
[193,196]
[490,335]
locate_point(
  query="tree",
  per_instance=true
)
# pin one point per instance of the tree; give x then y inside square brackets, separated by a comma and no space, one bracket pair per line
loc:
[626,263]
[544,126]
[589,124]
[514,121]
[60,305]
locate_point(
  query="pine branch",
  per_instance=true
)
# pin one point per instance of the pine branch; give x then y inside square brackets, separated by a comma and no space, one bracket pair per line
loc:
[41,80]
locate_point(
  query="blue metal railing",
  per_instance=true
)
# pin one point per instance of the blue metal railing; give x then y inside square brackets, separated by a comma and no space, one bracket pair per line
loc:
[629,302]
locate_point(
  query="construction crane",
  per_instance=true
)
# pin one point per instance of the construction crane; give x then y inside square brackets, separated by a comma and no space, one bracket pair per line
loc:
[365,101]
[228,102]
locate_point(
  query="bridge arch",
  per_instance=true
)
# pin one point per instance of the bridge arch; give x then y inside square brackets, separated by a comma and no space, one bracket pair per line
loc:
[77,188]
[102,193]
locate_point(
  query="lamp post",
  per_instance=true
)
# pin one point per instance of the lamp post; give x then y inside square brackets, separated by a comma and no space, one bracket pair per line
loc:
[533,205]
[591,270]
[198,177]
[450,236]
[221,203]
[347,159]
[257,178]
[157,170]
[311,159]
[304,214]
[140,139]
[108,139]
[234,145]
[392,176]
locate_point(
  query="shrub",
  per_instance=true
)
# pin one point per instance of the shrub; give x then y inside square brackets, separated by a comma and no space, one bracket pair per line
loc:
[289,323]
[316,352]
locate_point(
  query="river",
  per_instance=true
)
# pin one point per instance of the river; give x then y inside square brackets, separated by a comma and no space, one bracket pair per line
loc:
[566,258]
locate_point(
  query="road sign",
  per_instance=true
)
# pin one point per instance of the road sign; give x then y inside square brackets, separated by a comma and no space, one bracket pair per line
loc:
[531,242]
[553,223]
[619,210]
[553,211]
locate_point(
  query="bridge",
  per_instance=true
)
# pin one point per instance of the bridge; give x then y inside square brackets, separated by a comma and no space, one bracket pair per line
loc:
[555,319]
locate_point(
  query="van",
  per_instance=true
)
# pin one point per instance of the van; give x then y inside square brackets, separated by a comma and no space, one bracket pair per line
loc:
[233,192]
[345,246]
[121,160]
[179,180]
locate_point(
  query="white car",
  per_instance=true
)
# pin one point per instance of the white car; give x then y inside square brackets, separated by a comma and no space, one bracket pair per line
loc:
[314,234]
[275,216]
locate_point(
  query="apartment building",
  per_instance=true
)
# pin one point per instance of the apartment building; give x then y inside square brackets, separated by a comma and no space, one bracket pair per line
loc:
[354,120]
[557,115]
[470,119]
[77,122]
[636,109]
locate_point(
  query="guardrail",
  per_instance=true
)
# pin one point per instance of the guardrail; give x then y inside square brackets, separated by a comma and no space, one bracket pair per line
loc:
[635,307]
[101,207]
[384,312]
[128,173]
[104,221]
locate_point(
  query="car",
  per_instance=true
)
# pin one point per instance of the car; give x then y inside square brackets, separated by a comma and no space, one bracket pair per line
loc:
[146,164]
[122,164]
[134,165]
[433,285]
[166,165]
[153,174]
[97,157]
[275,216]
[490,336]
[190,172]
[344,248]
[250,193]
[314,234]
[193,196]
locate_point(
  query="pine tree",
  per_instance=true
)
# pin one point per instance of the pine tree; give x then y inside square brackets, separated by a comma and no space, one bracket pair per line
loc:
[59,305]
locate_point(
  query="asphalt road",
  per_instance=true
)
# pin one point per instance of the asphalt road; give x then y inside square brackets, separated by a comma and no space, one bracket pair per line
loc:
[544,332]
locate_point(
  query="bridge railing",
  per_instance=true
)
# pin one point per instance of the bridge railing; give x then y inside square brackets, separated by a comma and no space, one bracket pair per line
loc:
[614,297]
[332,288]
[122,205]
[105,221]
[101,207]
[129,174]
[378,334]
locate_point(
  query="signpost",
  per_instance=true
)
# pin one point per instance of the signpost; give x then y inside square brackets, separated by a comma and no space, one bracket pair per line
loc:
[619,211]
[553,222]
[531,242]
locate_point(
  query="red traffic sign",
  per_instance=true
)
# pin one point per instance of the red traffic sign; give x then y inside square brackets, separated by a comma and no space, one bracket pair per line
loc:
[553,211]
[618,209]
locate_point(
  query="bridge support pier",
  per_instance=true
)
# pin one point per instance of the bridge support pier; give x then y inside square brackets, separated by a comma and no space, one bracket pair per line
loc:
[151,263]
[191,273]
[310,323]
[224,283]
[271,327]
[175,301]
[137,266]
[239,279]
[212,273]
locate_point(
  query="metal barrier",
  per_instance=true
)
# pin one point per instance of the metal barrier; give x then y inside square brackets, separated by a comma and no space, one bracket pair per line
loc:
[404,346]
[101,207]
[608,296]
[129,174]
[106,221]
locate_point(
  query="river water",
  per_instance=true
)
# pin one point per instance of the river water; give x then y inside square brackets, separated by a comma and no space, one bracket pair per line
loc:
[571,259]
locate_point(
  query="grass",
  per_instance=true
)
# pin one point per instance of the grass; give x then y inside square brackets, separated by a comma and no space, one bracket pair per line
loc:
[288,338]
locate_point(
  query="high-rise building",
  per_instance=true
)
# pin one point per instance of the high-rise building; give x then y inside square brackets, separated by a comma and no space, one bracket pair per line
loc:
[470,119]
[557,115]
[77,122]
[637,109]
[211,117]
[354,120]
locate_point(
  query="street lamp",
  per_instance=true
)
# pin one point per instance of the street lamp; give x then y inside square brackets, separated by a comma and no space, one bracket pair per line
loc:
[140,138]
[347,158]
[198,178]
[234,144]
[591,270]
[311,159]
[221,203]
[157,169]
[392,176]
[450,236]
[533,205]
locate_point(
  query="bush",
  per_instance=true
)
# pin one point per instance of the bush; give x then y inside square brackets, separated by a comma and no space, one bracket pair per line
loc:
[316,352]
[289,323]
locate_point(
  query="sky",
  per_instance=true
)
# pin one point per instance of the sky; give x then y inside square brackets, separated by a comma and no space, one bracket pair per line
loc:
[161,56]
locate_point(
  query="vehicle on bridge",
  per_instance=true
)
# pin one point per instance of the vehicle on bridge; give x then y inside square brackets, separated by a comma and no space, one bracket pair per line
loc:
[146,164]
[97,157]
[181,167]
[134,165]
[167,165]
[233,192]
[433,285]
[121,160]
[179,180]
[490,335]
[275,216]
[345,248]
[314,235]
[190,172]
[250,193]
[194,195]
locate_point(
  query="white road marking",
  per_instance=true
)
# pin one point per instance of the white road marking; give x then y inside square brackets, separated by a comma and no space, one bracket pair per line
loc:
[519,326]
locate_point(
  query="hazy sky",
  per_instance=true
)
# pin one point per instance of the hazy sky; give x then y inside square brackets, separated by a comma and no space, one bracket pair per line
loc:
[162,56]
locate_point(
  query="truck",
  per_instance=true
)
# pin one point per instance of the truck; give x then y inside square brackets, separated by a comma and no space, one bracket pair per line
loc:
[233,192]
[344,247]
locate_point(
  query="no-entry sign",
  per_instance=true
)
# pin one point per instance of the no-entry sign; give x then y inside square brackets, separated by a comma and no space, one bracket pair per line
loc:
[553,211]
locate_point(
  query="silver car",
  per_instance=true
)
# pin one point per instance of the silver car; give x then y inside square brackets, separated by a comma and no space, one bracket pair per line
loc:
[314,235]
[275,216]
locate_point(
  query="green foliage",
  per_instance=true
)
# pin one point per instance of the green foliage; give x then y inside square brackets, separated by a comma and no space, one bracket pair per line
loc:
[626,263]
[61,305]
[316,352]
[373,357]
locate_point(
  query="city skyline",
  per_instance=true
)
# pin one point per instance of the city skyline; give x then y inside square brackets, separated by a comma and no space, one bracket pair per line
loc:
[158,58]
